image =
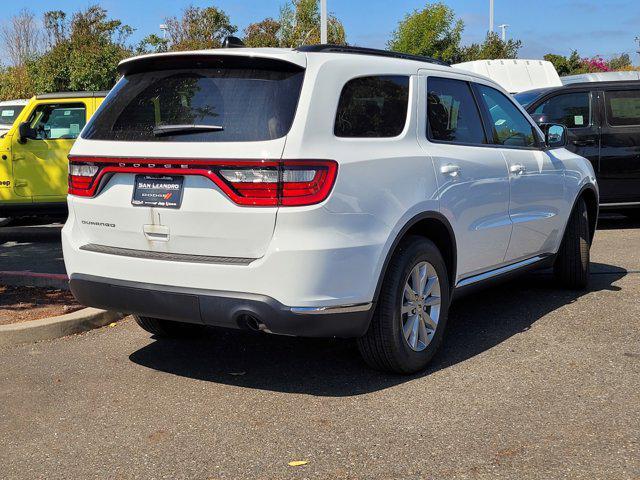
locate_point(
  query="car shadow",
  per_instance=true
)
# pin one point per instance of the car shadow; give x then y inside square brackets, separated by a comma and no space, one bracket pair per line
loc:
[332,367]
[615,221]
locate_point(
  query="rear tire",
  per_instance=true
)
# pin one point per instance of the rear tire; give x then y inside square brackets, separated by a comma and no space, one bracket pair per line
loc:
[400,338]
[168,328]
[571,266]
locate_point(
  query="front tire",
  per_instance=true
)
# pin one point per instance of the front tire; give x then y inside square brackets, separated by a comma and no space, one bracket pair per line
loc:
[571,266]
[168,328]
[411,313]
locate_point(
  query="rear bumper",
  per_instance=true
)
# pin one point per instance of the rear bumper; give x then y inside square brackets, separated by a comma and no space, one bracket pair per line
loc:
[220,308]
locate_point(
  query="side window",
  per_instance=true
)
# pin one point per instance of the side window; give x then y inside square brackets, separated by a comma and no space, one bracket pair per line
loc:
[373,107]
[510,127]
[452,112]
[623,107]
[570,109]
[57,121]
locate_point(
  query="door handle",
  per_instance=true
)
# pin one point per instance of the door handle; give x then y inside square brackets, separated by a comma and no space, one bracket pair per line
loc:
[517,169]
[451,170]
[584,143]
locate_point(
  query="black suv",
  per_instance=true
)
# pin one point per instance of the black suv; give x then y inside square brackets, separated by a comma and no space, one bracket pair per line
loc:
[603,120]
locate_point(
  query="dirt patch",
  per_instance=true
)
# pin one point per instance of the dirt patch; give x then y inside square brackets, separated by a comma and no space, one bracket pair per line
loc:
[21,304]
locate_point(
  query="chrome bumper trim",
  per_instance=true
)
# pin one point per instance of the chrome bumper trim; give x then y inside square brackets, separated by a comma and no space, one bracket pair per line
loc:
[171,257]
[357,307]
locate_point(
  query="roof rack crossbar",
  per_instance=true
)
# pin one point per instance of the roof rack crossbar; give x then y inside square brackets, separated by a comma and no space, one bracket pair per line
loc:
[327,48]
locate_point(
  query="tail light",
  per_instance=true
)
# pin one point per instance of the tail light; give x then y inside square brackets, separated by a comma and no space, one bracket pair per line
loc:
[247,183]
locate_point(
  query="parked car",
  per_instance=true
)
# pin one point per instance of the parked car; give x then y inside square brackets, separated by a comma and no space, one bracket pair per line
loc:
[603,121]
[322,191]
[33,153]
[9,111]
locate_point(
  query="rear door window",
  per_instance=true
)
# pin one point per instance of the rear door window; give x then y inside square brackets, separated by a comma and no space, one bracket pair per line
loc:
[9,113]
[570,109]
[510,127]
[372,107]
[237,104]
[623,107]
[58,121]
[452,112]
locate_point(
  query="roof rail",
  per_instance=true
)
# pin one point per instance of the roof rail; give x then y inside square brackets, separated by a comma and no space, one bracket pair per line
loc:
[327,48]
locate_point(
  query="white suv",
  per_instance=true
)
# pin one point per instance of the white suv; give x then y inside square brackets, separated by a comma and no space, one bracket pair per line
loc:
[322,191]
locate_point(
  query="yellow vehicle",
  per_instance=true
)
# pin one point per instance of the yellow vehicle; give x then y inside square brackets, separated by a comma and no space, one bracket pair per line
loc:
[33,153]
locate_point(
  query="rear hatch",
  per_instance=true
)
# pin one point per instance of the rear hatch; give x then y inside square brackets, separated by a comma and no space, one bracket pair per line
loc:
[183,156]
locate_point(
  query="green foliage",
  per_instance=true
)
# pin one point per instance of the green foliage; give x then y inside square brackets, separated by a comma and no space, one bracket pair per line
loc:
[262,34]
[84,59]
[620,62]
[300,25]
[492,48]
[574,64]
[199,28]
[152,44]
[15,82]
[433,31]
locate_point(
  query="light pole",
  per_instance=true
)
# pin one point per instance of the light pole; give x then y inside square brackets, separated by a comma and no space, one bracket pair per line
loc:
[490,16]
[503,27]
[323,21]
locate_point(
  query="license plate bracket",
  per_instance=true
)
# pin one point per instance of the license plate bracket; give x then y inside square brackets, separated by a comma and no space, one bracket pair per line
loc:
[163,191]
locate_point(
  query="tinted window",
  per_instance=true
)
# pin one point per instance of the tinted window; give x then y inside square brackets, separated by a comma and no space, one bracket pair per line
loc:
[526,98]
[247,104]
[373,107]
[623,107]
[510,126]
[9,113]
[570,109]
[55,121]
[452,112]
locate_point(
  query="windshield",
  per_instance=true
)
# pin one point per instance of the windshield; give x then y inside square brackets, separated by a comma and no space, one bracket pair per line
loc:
[525,98]
[247,104]
[8,113]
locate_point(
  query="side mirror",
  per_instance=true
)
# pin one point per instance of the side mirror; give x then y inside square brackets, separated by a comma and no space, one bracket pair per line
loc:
[555,134]
[25,132]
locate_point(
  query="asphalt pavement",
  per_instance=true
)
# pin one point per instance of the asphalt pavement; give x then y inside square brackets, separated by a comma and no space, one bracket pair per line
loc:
[533,382]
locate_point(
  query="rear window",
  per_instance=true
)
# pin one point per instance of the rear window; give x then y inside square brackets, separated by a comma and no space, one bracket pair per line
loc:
[623,107]
[237,104]
[373,107]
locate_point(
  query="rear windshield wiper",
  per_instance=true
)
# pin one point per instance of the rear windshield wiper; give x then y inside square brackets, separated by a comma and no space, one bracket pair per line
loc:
[185,129]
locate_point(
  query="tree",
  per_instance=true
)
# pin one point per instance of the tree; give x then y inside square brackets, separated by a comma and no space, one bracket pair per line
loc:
[492,48]
[152,44]
[620,62]
[56,27]
[433,31]
[84,54]
[262,34]
[199,28]
[300,25]
[22,37]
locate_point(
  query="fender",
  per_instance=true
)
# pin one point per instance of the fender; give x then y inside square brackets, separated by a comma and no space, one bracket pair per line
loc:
[594,190]
[413,221]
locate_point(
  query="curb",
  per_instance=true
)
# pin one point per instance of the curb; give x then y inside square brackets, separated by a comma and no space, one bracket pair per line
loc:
[31,279]
[56,327]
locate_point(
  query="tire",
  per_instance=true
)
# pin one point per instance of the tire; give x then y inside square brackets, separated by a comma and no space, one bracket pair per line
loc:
[571,267]
[385,346]
[167,328]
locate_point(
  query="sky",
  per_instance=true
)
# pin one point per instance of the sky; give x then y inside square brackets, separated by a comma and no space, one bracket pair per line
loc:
[603,27]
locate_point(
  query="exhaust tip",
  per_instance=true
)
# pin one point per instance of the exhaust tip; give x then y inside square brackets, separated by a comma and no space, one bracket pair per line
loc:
[252,323]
